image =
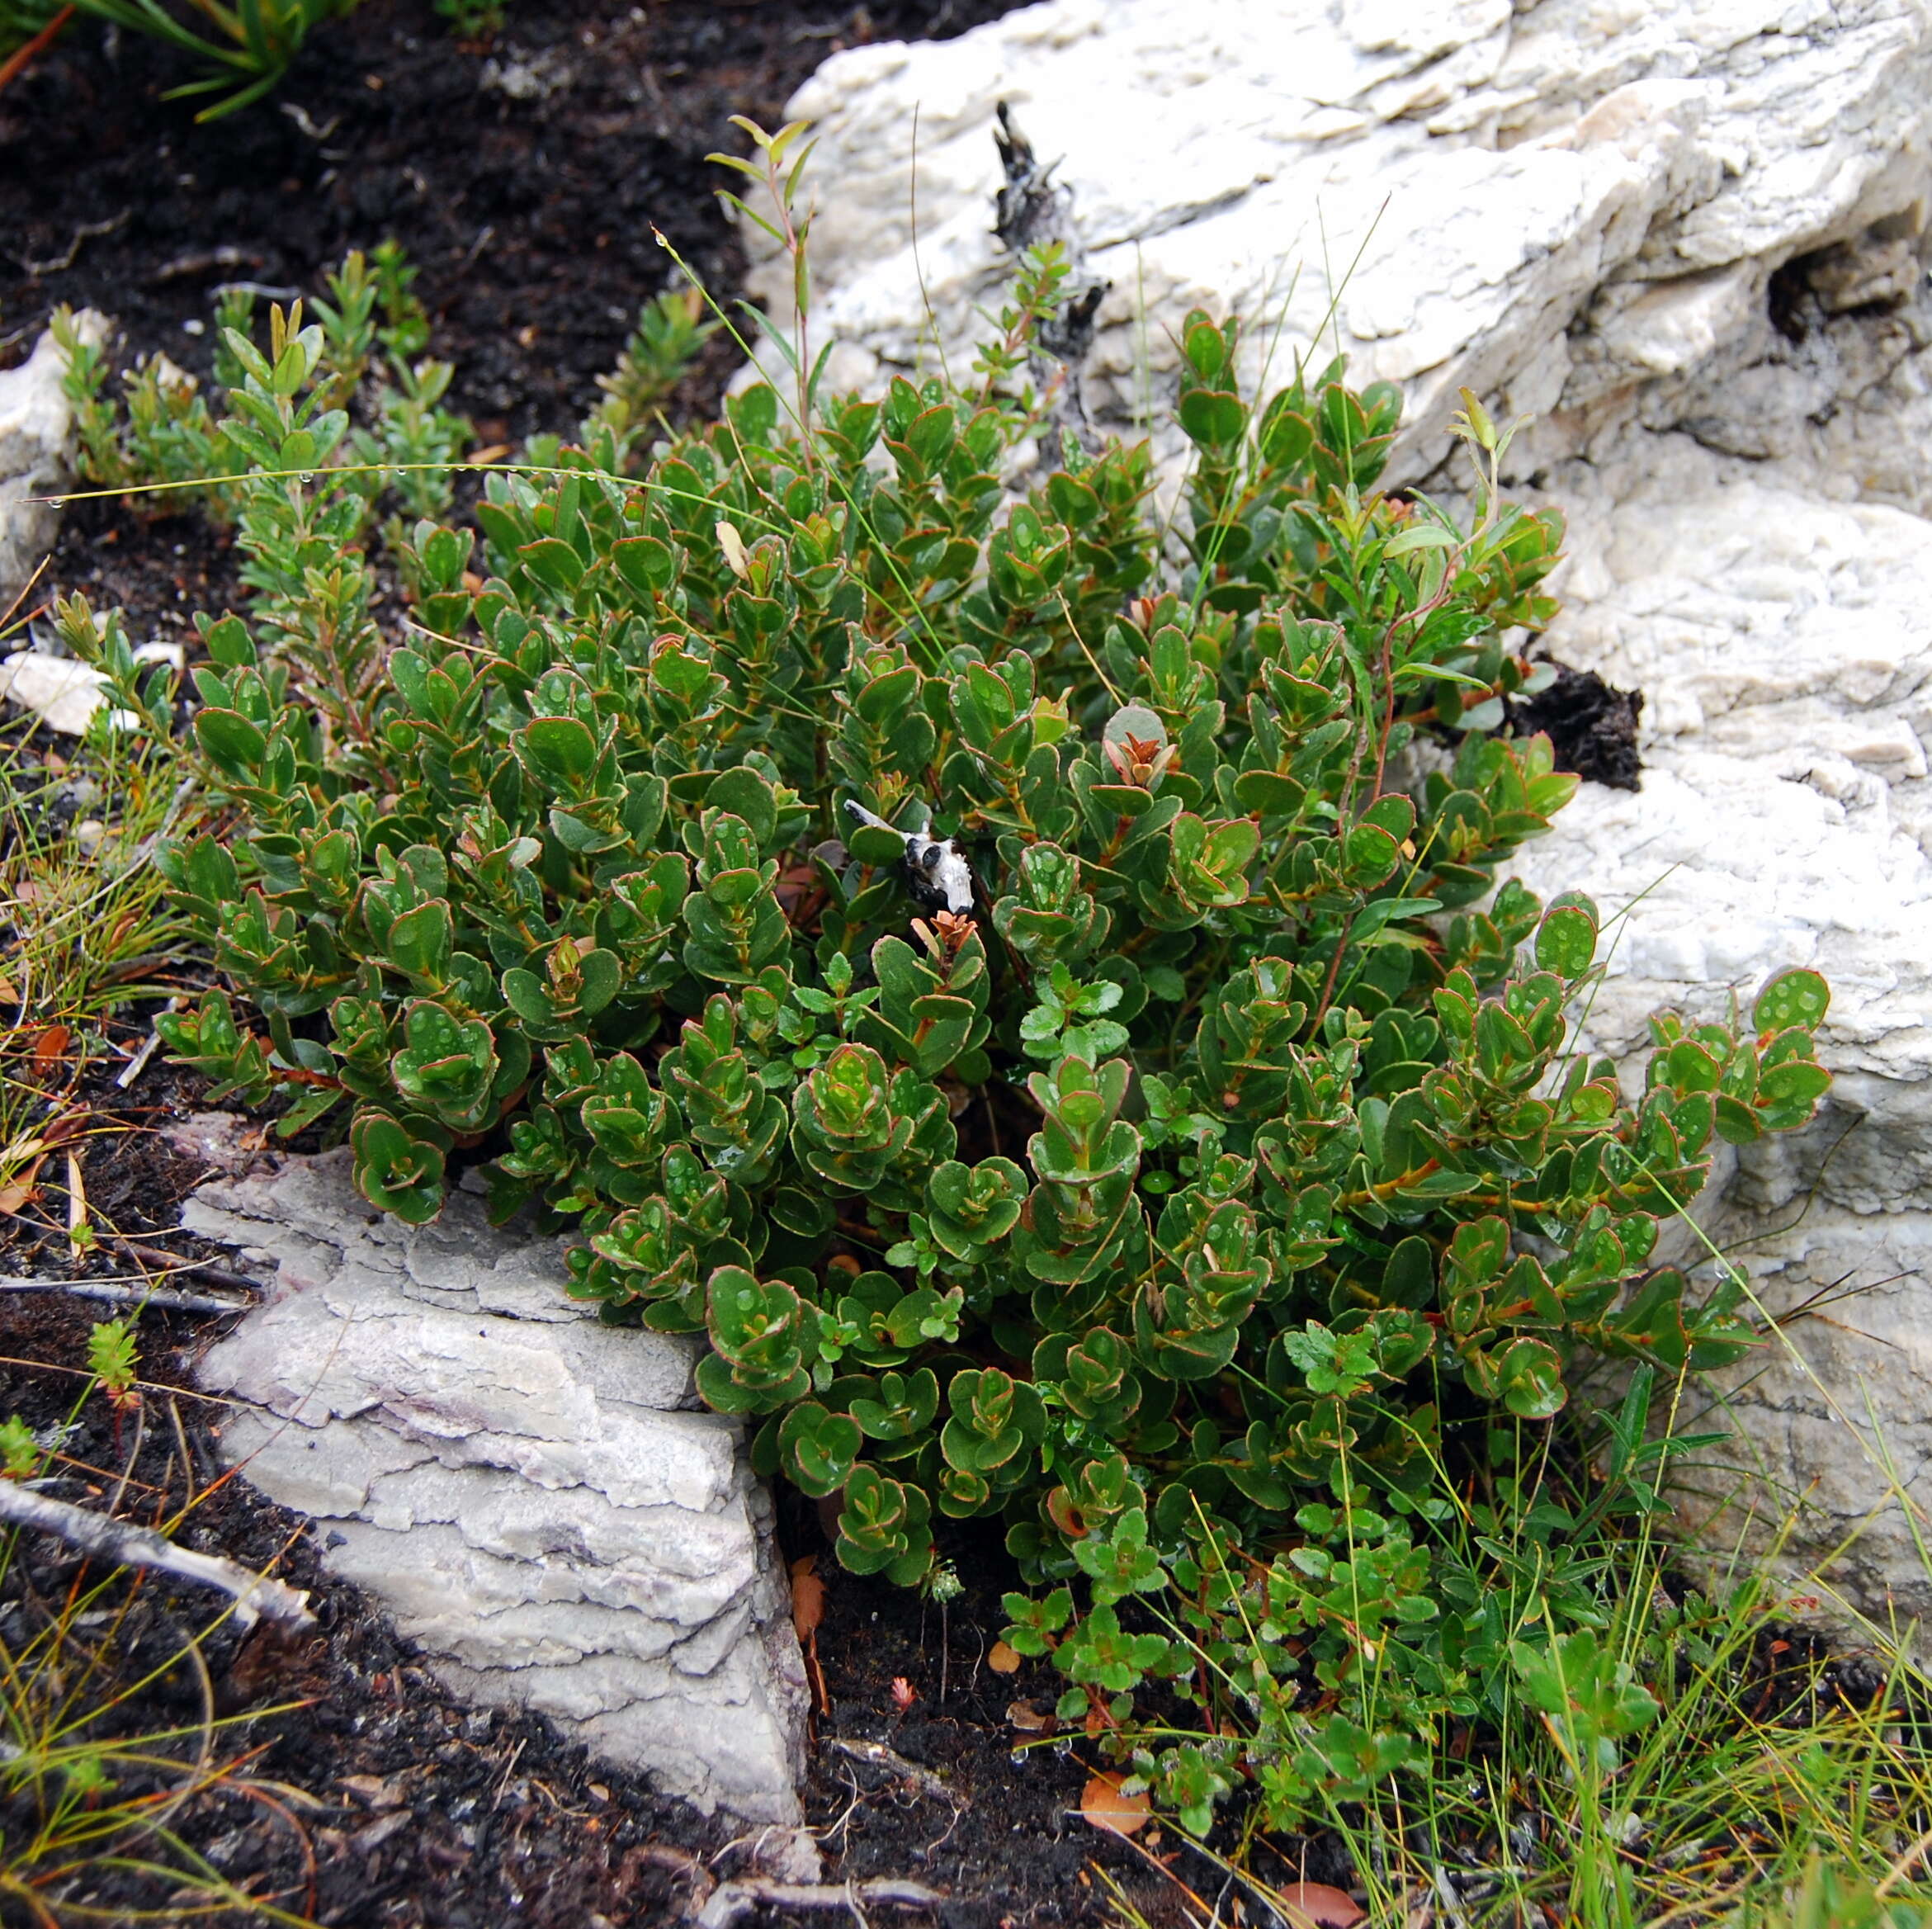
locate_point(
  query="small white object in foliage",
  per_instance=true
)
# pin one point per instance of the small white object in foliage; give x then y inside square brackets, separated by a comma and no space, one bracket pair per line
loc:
[936,873]
[36,448]
[64,693]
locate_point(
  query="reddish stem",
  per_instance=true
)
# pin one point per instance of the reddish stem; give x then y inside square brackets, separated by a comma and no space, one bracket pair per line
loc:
[23,57]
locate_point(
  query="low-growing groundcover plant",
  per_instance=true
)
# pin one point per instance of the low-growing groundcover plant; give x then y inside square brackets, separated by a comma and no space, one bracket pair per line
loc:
[1219,1204]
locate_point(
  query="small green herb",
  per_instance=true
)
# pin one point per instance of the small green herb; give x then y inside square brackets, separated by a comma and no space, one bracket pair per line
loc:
[21,1454]
[113,1358]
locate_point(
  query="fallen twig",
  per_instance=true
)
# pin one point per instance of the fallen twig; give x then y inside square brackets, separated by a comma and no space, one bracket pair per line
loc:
[130,1546]
[115,1294]
[732,1902]
[877,1755]
[139,1063]
[174,1266]
[88,231]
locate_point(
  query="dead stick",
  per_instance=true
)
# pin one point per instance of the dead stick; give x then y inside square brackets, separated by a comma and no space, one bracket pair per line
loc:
[877,1755]
[732,1902]
[21,56]
[130,1546]
[139,1063]
[129,1295]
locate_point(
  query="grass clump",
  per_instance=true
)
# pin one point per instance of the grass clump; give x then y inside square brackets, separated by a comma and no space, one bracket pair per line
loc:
[99,1808]
[244,47]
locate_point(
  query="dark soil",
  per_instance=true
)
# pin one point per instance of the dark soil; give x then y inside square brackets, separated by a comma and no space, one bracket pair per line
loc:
[376,1798]
[524,179]
[1591,726]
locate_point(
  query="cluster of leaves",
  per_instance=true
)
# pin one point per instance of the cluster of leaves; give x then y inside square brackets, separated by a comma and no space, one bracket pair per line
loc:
[244,47]
[1173,1206]
[372,400]
[1399,1610]
[672,328]
[474,20]
[375,398]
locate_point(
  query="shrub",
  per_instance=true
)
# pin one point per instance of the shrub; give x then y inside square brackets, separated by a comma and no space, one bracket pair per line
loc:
[377,395]
[1028,986]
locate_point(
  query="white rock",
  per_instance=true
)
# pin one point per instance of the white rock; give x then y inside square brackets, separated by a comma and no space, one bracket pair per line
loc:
[528,1493]
[65,694]
[1786,818]
[1689,239]
[36,450]
[1461,195]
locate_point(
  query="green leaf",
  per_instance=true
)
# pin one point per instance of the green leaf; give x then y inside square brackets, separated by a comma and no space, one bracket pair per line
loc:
[236,746]
[1793,997]
[1566,942]
[399,1173]
[819,1448]
[1211,418]
[1531,1375]
[1420,536]
[559,750]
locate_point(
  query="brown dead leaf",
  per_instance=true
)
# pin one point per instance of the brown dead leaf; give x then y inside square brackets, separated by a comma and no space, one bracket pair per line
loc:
[808,1610]
[16,1193]
[66,1126]
[1331,1908]
[1002,1659]
[1028,1719]
[1106,1808]
[808,1596]
[50,1046]
[377,1791]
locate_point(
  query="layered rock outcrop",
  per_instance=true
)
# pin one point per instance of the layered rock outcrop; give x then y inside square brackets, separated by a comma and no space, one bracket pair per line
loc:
[535,1498]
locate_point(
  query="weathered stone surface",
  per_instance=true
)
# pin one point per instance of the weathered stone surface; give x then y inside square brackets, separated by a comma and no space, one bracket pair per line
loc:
[533,1497]
[1554,205]
[1690,239]
[36,437]
[1785,643]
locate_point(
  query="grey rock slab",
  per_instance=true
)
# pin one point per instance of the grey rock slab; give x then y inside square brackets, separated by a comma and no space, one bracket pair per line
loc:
[534,1498]
[1690,241]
